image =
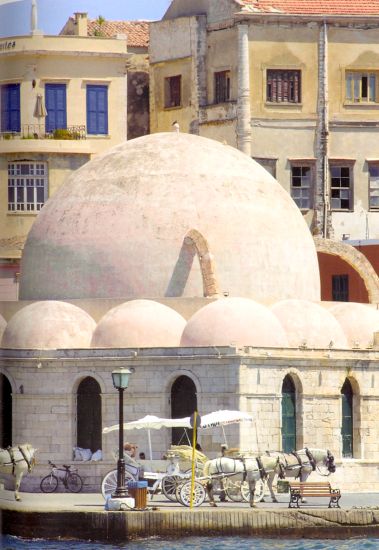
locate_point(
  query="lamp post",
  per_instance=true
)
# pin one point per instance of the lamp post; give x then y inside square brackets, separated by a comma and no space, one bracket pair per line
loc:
[120,379]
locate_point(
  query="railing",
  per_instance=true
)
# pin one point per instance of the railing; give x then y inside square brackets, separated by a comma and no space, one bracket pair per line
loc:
[38,131]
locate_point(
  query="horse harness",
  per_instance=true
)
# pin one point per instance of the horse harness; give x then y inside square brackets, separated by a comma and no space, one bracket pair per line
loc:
[218,464]
[13,460]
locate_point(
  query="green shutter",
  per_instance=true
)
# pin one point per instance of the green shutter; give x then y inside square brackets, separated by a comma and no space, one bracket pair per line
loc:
[288,415]
[347,420]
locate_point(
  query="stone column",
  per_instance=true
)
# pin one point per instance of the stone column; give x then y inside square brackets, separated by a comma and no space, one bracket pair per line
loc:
[243,101]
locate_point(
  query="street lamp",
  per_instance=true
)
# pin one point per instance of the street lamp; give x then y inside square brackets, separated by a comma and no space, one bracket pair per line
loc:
[120,379]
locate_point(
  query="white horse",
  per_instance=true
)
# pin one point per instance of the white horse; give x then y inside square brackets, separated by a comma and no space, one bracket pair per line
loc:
[300,464]
[249,469]
[16,461]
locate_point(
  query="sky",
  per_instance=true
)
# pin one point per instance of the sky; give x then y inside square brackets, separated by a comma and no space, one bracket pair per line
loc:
[53,14]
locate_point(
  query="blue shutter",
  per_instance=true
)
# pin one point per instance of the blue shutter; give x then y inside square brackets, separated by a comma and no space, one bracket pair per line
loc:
[10,108]
[97,109]
[55,97]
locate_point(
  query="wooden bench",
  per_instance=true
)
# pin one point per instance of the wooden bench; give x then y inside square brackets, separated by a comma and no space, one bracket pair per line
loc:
[299,490]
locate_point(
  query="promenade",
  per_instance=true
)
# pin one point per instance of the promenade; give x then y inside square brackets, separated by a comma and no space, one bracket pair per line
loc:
[82,516]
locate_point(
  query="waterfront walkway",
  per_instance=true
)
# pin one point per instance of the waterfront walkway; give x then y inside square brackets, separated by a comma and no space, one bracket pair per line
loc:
[82,516]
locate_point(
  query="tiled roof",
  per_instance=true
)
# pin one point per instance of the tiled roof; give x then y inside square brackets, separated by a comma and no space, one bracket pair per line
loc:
[313,7]
[136,31]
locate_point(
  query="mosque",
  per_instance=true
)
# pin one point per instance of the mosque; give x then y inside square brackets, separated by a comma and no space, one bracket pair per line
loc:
[184,260]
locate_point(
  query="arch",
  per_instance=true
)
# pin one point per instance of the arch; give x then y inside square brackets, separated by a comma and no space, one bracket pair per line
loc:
[88,373]
[347,419]
[6,419]
[88,408]
[288,414]
[183,403]
[199,245]
[356,260]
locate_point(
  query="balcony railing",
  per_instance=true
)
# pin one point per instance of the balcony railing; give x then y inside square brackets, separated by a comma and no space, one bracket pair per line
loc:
[38,131]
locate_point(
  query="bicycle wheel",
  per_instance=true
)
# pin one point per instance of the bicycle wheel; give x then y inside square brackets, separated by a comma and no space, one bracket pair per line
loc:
[169,484]
[109,483]
[49,484]
[74,482]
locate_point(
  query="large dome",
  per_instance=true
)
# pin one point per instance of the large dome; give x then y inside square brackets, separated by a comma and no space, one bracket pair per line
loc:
[117,227]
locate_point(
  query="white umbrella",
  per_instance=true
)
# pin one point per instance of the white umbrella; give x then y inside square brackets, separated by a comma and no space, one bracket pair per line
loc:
[150,422]
[224,417]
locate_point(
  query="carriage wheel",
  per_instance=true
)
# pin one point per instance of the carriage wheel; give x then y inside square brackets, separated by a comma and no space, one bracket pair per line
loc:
[49,484]
[169,485]
[259,493]
[109,483]
[198,493]
[233,489]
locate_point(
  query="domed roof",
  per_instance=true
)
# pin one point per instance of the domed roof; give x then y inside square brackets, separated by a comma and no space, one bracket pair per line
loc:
[3,324]
[310,324]
[359,322]
[234,321]
[49,325]
[117,227]
[140,324]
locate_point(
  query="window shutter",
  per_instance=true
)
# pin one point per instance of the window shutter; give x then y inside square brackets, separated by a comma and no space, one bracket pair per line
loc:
[97,109]
[10,108]
[55,97]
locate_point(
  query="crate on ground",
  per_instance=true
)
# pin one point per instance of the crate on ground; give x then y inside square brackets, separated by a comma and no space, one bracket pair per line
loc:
[138,490]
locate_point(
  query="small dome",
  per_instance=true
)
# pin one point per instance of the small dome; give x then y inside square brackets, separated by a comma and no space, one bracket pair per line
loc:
[234,321]
[139,324]
[49,325]
[3,324]
[359,322]
[307,323]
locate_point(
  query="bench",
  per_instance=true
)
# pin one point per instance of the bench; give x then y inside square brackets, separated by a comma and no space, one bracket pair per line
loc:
[300,490]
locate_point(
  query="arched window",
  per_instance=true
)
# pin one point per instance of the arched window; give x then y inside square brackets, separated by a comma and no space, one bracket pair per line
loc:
[347,419]
[288,415]
[5,412]
[89,415]
[183,403]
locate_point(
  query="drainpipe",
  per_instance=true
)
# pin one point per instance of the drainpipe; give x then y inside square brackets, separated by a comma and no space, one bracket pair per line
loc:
[322,137]
[243,100]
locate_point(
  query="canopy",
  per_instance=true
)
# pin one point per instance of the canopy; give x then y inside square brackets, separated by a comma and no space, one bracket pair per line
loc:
[224,417]
[150,422]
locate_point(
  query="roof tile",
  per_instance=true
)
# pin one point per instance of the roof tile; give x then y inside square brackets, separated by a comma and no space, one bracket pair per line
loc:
[136,31]
[314,7]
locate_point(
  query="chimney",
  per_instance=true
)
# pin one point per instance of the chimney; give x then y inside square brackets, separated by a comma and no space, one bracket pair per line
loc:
[81,24]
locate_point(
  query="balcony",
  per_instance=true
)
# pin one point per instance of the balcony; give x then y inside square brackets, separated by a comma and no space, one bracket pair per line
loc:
[38,131]
[35,138]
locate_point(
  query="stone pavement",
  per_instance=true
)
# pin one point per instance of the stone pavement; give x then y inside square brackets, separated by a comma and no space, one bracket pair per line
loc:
[95,502]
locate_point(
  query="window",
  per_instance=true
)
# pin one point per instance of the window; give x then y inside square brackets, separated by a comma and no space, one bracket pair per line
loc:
[340,288]
[288,415]
[10,108]
[268,164]
[341,187]
[97,109]
[173,92]
[283,86]
[27,186]
[301,186]
[347,419]
[361,87]
[222,86]
[373,171]
[55,95]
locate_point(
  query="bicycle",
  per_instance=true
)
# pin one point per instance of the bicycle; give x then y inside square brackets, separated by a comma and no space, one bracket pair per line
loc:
[71,480]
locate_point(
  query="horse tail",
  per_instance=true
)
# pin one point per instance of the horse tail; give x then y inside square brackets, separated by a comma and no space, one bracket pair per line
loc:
[207,465]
